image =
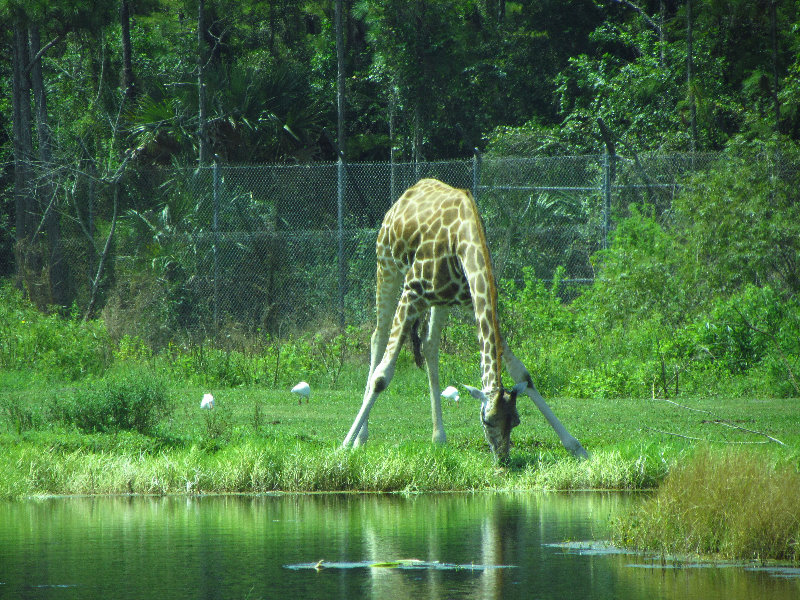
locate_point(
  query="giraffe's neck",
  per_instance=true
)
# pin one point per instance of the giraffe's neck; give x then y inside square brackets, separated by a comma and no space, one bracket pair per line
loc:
[477,266]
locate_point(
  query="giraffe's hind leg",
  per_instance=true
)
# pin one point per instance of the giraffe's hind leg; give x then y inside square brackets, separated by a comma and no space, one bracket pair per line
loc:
[430,350]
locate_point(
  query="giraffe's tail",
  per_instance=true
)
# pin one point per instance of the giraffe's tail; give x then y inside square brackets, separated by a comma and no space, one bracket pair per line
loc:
[416,344]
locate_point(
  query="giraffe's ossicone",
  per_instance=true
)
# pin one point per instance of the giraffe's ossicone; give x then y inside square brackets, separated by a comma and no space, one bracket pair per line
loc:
[432,247]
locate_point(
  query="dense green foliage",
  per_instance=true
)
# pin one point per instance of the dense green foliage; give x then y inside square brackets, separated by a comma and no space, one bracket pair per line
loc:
[702,300]
[114,91]
[694,289]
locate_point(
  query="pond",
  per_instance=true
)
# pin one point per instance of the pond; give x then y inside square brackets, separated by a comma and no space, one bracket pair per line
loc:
[469,546]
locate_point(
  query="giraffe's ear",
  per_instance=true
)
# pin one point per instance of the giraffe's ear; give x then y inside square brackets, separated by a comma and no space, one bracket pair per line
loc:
[476,393]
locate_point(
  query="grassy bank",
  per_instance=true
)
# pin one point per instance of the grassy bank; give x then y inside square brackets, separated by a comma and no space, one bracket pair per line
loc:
[68,439]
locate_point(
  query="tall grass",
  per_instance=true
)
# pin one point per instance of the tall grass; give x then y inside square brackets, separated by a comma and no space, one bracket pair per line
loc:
[733,504]
[253,467]
[49,344]
[628,467]
[129,463]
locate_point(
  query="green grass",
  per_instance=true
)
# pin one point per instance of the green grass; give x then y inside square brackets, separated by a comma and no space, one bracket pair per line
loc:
[259,439]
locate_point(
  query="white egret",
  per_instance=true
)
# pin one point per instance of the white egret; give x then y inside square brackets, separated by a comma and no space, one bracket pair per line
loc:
[207,402]
[451,393]
[303,390]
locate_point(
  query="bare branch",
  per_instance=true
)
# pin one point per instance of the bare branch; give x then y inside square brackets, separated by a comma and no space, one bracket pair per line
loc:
[720,421]
[644,15]
[103,256]
[79,220]
[42,50]
[697,439]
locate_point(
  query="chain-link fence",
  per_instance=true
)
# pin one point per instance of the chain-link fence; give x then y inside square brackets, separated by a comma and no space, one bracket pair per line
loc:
[276,247]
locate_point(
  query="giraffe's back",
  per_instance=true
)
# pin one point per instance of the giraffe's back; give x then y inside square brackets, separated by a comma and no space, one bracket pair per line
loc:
[427,229]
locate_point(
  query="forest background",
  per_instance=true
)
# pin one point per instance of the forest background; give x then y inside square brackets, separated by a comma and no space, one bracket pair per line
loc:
[699,298]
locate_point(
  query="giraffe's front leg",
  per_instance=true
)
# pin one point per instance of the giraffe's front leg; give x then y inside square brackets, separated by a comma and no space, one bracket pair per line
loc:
[521,374]
[358,433]
[379,379]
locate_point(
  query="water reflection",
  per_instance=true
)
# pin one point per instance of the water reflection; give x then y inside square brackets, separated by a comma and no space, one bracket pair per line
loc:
[234,547]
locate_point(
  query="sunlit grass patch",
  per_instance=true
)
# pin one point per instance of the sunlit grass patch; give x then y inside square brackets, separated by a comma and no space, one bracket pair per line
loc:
[250,467]
[731,503]
[627,467]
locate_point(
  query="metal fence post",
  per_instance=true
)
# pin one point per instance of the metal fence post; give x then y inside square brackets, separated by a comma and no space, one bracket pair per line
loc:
[606,191]
[215,229]
[476,172]
[340,189]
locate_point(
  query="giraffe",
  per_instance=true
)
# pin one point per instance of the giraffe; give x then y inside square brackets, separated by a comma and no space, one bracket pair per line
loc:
[432,244]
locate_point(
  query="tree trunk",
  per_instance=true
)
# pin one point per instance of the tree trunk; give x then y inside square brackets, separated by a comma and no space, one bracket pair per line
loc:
[417,135]
[690,75]
[340,79]
[202,134]
[23,144]
[773,29]
[54,267]
[341,187]
[392,142]
[128,82]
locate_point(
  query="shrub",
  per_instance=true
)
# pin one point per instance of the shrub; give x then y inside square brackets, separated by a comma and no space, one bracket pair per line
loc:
[639,274]
[741,331]
[740,222]
[134,400]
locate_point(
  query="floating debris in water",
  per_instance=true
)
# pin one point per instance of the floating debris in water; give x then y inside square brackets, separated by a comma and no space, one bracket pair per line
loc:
[406,563]
[589,548]
[781,572]
[603,548]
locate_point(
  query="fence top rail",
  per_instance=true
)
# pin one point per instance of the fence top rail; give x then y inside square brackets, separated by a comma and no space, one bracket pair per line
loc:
[539,188]
[315,164]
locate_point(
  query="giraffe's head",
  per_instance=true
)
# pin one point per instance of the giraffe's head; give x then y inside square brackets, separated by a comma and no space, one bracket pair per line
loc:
[499,416]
